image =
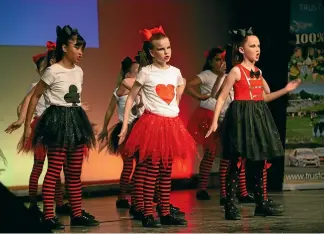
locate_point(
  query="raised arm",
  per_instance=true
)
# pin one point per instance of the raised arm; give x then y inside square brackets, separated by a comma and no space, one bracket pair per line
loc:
[292,85]
[192,89]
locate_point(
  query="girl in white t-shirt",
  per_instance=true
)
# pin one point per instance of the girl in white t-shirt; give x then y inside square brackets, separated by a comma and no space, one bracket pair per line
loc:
[128,74]
[213,69]
[159,135]
[42,61]
[63,128]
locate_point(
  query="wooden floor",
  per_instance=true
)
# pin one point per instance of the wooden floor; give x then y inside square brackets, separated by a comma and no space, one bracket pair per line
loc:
[304,212]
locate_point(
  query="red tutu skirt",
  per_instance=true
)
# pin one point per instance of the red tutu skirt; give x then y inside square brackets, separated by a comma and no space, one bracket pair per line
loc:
[27,147]
[198,127]
[160,138]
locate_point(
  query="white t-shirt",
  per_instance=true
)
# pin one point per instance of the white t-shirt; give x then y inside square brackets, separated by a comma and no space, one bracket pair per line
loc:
[65,85]
[121,106]
[208,78]
[40,107]
[159,89]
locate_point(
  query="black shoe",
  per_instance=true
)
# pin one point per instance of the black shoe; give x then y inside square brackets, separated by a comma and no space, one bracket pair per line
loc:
[232,212]
[136,214]
[222,201]
[176,211]
[249,198]
[63,210]
[171,220]
[175,207]
[88,215]
[34,208]
[53,223]
[83,221]
[122,204]
[203,195]
[149,221]
[173,211]
[264,209]
[273,204]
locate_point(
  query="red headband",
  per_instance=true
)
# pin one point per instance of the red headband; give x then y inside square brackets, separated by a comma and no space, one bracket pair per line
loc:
[50,46]
[38,57]
[146,34]
[223,54]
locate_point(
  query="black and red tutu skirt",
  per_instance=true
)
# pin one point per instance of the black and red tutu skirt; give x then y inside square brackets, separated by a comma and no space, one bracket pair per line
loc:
[198,127]
[111,142]
[27,147]
[65,127]
[161,138]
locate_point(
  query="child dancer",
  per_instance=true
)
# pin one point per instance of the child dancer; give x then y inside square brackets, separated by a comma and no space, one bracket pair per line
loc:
[249,129]
[159,134]
[42,61]
[64,128]
[129,71]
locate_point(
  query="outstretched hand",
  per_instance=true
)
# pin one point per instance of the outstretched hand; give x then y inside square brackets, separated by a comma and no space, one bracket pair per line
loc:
[292,85]
[212,129]
[13,127]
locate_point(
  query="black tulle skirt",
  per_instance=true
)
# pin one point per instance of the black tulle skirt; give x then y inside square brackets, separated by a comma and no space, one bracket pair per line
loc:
[64,127]
[112,141]
[248,130]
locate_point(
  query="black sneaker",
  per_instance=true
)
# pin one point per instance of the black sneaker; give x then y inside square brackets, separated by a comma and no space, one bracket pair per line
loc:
[88,215]
[232,212]
[83,221]
[249,198]
[63,210]
[273,204]
[122,204]
[203,195]
[149,221]
[53,223]
[171,220]
[264,209]
[173,211]
[174,207]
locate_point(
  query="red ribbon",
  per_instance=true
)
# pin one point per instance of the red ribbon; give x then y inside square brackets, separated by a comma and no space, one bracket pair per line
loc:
[50,45]
[146,34]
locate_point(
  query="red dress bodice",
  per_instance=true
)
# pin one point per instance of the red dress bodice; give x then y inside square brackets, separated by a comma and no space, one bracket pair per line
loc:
[248,88]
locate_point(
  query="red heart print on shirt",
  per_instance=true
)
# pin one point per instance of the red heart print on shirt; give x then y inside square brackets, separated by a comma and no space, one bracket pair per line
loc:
[166,93]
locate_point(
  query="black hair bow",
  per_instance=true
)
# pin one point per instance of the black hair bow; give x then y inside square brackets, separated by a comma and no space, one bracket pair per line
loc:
[242,32]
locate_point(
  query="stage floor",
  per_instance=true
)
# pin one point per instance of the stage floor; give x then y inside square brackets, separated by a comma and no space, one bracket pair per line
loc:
[304,212]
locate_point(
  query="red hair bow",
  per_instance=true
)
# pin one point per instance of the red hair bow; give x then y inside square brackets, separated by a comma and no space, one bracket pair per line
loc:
[223,55]
[38,57]
[146,34]
[50,45]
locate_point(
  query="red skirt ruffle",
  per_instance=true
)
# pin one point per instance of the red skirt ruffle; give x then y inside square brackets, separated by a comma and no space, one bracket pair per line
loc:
[198,127]
[27,147]
[160,138]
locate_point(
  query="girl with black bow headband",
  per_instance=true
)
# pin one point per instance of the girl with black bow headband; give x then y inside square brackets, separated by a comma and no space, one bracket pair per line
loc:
[249,131]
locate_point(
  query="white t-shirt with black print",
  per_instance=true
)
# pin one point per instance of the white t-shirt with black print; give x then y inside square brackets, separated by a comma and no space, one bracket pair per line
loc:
[64,86]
